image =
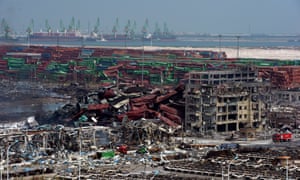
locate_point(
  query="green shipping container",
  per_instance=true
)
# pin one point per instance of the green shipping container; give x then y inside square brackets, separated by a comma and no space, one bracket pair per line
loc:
[108,154]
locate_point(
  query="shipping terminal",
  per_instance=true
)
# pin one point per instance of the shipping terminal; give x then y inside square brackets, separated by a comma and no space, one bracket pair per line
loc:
[95,112]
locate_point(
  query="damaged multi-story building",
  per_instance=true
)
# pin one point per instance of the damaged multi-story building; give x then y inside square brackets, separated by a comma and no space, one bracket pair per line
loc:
[285,108]
[225,100]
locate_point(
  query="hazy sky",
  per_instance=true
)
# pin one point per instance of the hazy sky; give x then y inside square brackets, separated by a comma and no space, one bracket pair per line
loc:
[203,16]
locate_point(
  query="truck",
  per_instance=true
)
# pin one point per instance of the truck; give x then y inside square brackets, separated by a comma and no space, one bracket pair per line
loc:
[282,137]
[229,146]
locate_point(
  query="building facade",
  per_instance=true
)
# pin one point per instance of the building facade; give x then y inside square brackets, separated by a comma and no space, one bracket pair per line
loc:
[224,100]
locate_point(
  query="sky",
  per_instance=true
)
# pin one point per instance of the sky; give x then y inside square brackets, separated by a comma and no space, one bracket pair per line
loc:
[197,16]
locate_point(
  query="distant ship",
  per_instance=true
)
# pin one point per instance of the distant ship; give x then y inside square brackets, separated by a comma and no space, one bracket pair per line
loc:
[76,36]
[115,37]
[140,37]
[160,37]
[8,39]
[58,36]
[294,40]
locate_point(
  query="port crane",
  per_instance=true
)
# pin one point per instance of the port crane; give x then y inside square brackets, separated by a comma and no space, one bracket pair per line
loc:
[5,28]
[127,28]
[31,25]
[77,28]
[157,30]
[96,28]
[61,26]
[29,31]
[115,28]
[132,31]
[166,29]
[72,25]
[47,26]
[145,28]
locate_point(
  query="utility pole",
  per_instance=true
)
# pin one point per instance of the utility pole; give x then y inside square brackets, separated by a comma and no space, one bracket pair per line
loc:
[7,163]
[228,178]
[57,41]
[7,159]
[118,79]
[1,166]
[82,42]
[80,146]
[220,36]
[287,168]
[238,47]
[143,59]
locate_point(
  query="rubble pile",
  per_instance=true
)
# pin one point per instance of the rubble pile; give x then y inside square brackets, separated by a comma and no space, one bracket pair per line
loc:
[95,152]
[61,150]
[263,163]
[127,107]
